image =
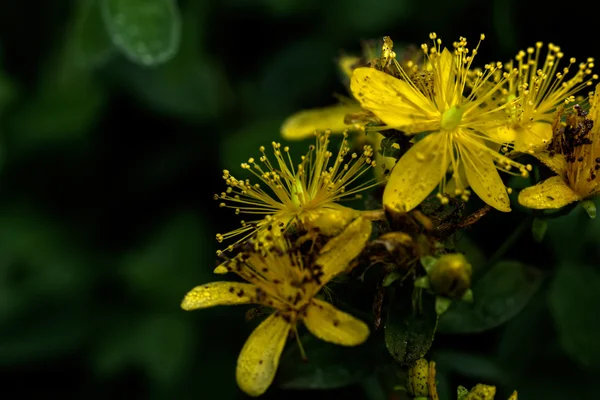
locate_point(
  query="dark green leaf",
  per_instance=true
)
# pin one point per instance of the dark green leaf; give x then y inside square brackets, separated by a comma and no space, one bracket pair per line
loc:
[574,298]
[475,366]
[92,44]
[147,31]
[161,344]
[329,366]
[179,245]
[191,86]
[408,332]
[500,295]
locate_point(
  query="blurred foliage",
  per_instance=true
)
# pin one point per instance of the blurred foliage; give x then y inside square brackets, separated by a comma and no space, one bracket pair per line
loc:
[116,118]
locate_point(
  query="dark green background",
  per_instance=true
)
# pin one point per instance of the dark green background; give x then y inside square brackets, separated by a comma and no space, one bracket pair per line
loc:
[107,170]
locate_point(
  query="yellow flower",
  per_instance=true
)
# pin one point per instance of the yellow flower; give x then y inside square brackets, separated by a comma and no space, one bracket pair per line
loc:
[539,87]
[433,98]
[281,278]
[306,192]
[574,155]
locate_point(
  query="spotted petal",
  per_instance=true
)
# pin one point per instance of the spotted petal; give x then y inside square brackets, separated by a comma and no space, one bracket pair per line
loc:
[548,194]
[394,101]
[556,162]
[342,249]
[332,325]
[259,358]
[483,177]
[533,137]
[218,294]
[417,173]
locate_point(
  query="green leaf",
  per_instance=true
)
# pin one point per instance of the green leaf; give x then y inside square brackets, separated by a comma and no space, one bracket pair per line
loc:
[180,244]
[574,299]
[500,295]
[408,332]
[93,46]
[160,344]
[538,229]
[191,86]
[148,32]
[329,366]
[474,366]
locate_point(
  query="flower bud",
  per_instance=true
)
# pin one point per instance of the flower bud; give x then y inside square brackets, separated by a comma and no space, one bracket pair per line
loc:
[451,276]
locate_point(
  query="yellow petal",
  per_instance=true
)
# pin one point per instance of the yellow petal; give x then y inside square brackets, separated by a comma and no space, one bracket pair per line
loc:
[417,173]
[340,250]
[394,101]
[330,220]
[551,193]
[457,182]
[259,358]
[221,269]
[502,134]
[484,179]
[556,163]
[303,124]
[332,325]
[219,294]
[445,79]
[533,137]
[513,396]
[346,64]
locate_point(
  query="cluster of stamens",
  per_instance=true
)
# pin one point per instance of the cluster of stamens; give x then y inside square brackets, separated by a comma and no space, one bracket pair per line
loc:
[286,190]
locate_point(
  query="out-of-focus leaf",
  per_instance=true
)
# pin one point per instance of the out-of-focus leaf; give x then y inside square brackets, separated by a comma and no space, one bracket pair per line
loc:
[574,298]
[360,16]
[409,332]
[45,335]
[8,91]
[190,86]
[172,261]
[570,233]
[521,343]
[93,46]
[148,32]
[329,366]
[162,345]
[39,263]
[276,7]
[476,366]
[291,77]
[500,295]
[65,107]
[66,103]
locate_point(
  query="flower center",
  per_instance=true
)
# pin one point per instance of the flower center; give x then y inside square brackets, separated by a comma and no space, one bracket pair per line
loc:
[451,118]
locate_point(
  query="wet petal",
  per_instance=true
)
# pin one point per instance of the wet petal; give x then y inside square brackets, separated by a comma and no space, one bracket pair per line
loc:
[551,193]
[484,179]
[394,101]
[259,358]
[417,173]
[446,78]
[556,163]
[502,134]
[332,325]
[340,250]
[219,294]
[331,220]
[533,137]
[303,124]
